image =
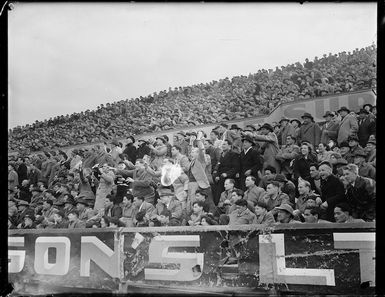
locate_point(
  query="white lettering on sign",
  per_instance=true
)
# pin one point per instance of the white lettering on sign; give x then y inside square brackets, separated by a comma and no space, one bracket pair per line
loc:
[94,249]
[189,262]
[62,261]
[16,259]
[365,243]
[273,265]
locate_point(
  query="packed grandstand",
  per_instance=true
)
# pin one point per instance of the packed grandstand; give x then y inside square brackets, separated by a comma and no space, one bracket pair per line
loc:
[293,171]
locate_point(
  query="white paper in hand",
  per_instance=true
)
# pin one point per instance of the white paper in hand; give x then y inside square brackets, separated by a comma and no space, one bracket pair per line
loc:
[170,172]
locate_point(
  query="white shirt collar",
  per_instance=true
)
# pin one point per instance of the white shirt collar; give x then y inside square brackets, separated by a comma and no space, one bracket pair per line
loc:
[247,150]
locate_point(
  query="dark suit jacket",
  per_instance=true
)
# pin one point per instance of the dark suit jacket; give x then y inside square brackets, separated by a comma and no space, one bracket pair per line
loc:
[229,164]
[22,172]
[301,166]
[333,192]
[34,176]
[116,211]
[366,128]
[215,155]
[142,150]
[130,151]
[362,197]
[252,160]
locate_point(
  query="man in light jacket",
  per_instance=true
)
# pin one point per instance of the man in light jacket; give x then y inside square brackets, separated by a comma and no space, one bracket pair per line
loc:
[197,172]
[348,125]
[286,130]
[269,147]
[329,130]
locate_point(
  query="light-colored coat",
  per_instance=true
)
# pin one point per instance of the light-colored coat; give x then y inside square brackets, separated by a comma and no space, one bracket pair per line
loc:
[253,194]
[198,168]
[106,183]
[271,148]
[348,126]
[285,155]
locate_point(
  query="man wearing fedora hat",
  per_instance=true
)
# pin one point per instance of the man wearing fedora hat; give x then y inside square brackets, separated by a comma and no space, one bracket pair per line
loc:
[130,149]
[251,162]
[364,169]
[296,124]
[234,136]
[329,130]
[368,107]
[371,152]
[285,130]
[180,140]
[285,214]
[348,125]
[309,130]
[85,212]
[366,127]
[353,144]
[286,186]
[269,147]
[168,202]
[73,220]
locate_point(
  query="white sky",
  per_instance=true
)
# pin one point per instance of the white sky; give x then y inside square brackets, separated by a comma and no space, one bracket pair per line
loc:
[66,58]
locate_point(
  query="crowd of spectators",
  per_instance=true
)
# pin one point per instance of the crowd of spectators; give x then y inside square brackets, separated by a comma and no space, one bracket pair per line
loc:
[291,172]
[217,101]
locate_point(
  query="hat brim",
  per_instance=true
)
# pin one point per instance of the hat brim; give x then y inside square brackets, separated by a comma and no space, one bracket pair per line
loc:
[267,128]
[296,120]
[281,208]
